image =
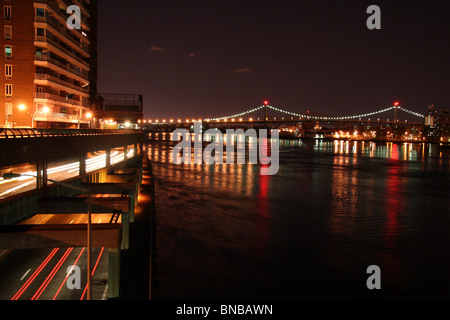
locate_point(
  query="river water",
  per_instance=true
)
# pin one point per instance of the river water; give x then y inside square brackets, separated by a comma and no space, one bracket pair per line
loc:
[224,231]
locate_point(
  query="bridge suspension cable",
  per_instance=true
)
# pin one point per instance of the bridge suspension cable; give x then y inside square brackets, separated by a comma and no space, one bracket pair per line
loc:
[331,118]
[412,112]
[237,114]
[346,117]
[317,117]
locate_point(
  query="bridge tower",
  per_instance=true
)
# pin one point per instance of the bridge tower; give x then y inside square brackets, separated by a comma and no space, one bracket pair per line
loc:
[266,104]
[396,104]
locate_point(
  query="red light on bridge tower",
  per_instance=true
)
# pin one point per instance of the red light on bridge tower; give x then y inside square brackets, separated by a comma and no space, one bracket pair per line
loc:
[396,104]
[266,103]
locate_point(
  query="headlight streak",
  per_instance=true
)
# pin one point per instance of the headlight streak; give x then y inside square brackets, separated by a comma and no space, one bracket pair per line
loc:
[92,164]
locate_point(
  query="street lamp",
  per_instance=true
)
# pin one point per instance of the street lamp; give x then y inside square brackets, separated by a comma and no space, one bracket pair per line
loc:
[45,110]
[89,117]
[11,175]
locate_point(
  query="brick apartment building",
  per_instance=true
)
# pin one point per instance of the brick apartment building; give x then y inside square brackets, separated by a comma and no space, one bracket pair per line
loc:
[50,71]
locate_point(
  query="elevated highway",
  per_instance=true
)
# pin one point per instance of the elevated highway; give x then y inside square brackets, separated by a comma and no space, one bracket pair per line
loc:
[52,166]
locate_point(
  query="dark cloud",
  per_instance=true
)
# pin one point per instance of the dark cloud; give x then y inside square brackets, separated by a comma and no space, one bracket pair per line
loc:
[241,70]
[156,49]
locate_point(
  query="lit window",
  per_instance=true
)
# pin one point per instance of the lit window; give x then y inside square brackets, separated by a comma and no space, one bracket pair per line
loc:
[8,51]
[8,109]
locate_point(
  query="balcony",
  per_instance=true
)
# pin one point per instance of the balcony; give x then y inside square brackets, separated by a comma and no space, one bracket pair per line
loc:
[82,74]
[84,13]
[60,82]
[62,100]
[44,41]
[60,15]
[52,4]
[64,33]
[81,4]
[60,117]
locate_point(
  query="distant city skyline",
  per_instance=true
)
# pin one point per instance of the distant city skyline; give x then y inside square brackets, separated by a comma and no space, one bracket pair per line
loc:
[205,59]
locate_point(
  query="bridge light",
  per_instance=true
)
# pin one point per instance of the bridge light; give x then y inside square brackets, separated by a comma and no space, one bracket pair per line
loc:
[266,102]
[396,103]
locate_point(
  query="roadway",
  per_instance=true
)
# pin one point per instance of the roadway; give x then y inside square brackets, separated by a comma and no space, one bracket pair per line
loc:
[58,171]
[41,274]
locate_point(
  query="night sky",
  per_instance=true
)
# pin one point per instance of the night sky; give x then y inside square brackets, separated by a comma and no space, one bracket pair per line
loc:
[216,58]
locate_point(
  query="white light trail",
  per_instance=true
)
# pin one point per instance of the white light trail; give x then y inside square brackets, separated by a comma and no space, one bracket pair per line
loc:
[69,170]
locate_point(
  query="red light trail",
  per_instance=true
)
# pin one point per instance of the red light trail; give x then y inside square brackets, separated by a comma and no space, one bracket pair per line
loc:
[34,275]
[51,275]
[53,272]
[67,276]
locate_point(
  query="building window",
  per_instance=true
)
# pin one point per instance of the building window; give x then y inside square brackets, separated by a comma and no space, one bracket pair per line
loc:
[7,12]
[40,12]
[40,32]
[8,52]
[8,90]
[8,71]
[8,32]
[8,109]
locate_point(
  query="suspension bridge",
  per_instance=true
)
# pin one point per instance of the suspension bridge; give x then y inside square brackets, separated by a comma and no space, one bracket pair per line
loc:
[273,117]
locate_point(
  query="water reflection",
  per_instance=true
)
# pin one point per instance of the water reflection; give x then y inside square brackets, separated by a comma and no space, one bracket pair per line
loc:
[406,151]
[334,208]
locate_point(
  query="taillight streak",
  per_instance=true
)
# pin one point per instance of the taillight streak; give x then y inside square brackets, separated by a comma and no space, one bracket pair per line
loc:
[34,275]
[68,274]
[93,271]
[52,274]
